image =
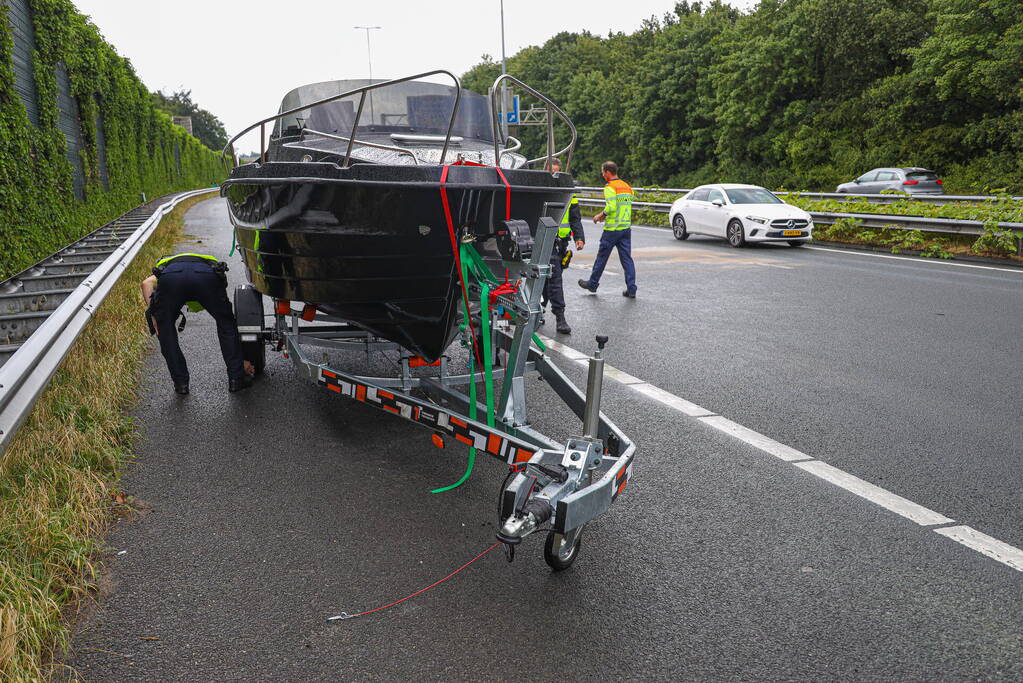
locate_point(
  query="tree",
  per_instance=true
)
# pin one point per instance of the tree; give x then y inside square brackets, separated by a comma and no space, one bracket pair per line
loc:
[205,126]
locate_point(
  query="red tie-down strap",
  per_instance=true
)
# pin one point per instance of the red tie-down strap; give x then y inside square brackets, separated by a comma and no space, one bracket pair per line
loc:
[454,238]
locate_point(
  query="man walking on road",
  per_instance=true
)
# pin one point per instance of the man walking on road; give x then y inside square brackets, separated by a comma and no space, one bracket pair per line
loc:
[617,217]
[198,280]
[571,227]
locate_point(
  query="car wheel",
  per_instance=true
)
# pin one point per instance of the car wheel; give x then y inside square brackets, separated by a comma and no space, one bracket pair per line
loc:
[796,243]
[735,233]
[678,227]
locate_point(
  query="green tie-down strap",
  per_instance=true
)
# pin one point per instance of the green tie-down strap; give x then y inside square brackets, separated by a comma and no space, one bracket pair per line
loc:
[473,263]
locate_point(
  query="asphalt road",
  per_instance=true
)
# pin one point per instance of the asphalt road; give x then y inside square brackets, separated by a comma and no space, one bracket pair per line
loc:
[268,511]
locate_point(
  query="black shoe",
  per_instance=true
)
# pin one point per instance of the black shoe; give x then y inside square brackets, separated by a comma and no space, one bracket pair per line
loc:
[563,327]
[181,389]
[585,284]
[243,382]
[627,293]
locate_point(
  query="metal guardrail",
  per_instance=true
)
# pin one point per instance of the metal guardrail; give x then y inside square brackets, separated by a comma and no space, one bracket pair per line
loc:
[872,220]
[27,373]
[843,196]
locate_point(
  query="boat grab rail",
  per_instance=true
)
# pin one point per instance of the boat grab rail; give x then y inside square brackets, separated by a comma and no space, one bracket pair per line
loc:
[550,124]
[400,150]
[358,116]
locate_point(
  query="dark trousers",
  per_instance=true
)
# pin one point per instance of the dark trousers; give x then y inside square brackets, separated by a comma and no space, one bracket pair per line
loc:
[554,288]
[181,282]
[611,239]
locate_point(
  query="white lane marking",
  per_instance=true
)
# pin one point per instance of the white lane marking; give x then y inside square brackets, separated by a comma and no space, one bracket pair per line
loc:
[935,262]
[671,400]
[756,439]
[874,494]
[985,545]
[566,351]
[998,550]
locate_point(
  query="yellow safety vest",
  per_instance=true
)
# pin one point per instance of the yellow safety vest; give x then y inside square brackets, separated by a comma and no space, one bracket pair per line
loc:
[617,205]
[566,229]
[193,306]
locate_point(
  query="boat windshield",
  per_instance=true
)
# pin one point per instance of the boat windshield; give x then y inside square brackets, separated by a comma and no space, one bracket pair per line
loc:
[412,107]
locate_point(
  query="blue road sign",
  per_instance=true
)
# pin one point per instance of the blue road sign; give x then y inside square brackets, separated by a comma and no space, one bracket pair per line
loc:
[513,115]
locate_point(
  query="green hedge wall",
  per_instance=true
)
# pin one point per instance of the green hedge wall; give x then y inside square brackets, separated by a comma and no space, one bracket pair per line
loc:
[39,212]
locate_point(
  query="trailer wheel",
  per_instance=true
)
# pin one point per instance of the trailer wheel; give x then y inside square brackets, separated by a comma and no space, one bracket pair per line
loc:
[248,310]
[560,550]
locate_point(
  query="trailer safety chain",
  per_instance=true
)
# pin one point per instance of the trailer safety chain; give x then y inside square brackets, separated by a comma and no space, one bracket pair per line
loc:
[344,616]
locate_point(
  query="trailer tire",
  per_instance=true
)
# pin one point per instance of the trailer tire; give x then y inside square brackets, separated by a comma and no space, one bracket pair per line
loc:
[556,555]
[248,311]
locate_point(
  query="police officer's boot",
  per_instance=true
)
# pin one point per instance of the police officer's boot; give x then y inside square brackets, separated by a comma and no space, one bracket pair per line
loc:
[563,327]
[243,382]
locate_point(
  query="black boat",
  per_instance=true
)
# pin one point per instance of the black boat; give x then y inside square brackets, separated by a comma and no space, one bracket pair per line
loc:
[344,209]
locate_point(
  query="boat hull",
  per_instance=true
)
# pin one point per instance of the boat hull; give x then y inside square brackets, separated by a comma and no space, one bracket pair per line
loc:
[371,244]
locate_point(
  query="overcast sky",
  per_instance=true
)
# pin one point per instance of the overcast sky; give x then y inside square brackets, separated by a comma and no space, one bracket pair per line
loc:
[239,57]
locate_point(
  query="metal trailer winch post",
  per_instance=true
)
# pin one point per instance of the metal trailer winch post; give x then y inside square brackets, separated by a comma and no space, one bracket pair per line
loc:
[562,485]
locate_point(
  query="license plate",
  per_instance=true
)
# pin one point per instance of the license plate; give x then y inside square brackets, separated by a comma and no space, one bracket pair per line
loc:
[791,233]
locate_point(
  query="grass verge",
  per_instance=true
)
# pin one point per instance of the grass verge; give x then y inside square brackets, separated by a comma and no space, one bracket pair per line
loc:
[58,478]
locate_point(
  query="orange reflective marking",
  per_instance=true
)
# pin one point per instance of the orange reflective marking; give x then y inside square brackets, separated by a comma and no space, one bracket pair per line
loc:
[467,441]
[493,443]
[458,422]
[390,409]
[334,387]
[522,455]
[360,393]
[328,373]
[385,394]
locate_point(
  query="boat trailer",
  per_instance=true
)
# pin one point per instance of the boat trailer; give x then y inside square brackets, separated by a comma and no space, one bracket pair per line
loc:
[551,486]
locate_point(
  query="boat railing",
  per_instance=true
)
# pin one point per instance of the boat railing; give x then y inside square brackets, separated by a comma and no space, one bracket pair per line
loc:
[358,115]
[551,154]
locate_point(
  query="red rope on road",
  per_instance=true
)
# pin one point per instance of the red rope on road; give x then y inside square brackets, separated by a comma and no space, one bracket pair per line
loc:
[344,615]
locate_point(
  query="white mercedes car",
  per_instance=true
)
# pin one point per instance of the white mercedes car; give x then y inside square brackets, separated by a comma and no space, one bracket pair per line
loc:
[740,214]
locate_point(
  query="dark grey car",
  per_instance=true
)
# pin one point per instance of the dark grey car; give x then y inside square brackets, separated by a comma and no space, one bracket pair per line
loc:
[910,180]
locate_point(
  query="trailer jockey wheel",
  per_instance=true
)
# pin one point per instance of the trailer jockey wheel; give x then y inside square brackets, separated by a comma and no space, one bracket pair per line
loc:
[560,550]
[248,311]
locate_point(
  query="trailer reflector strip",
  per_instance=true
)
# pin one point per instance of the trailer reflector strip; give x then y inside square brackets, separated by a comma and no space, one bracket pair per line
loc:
[505,447]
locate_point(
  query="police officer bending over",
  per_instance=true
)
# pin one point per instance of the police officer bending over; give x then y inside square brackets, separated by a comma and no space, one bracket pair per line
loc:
[199,281]
[571,227]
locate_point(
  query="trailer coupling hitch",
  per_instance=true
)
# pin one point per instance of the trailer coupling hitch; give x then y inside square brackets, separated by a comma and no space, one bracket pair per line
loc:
[515,528]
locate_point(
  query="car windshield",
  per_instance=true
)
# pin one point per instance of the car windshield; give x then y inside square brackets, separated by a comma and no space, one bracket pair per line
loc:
[751,195]
[922,175]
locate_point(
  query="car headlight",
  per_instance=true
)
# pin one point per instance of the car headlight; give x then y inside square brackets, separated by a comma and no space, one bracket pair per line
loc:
[756,219]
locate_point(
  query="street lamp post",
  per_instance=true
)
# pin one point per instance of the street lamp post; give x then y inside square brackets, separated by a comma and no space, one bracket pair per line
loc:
[369,59]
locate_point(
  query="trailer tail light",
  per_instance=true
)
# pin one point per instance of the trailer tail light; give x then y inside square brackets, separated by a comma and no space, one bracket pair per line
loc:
[938,181]
[437,439]
[283,307]
[309,312]
[910,182]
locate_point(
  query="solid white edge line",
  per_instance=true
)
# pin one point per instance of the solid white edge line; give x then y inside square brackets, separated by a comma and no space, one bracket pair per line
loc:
[755,439]
[874,494]
[1018,271]
[985,545]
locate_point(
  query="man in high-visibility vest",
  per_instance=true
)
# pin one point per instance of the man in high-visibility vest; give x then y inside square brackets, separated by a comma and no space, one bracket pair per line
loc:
[571,228]
[617,217]
[199,281]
